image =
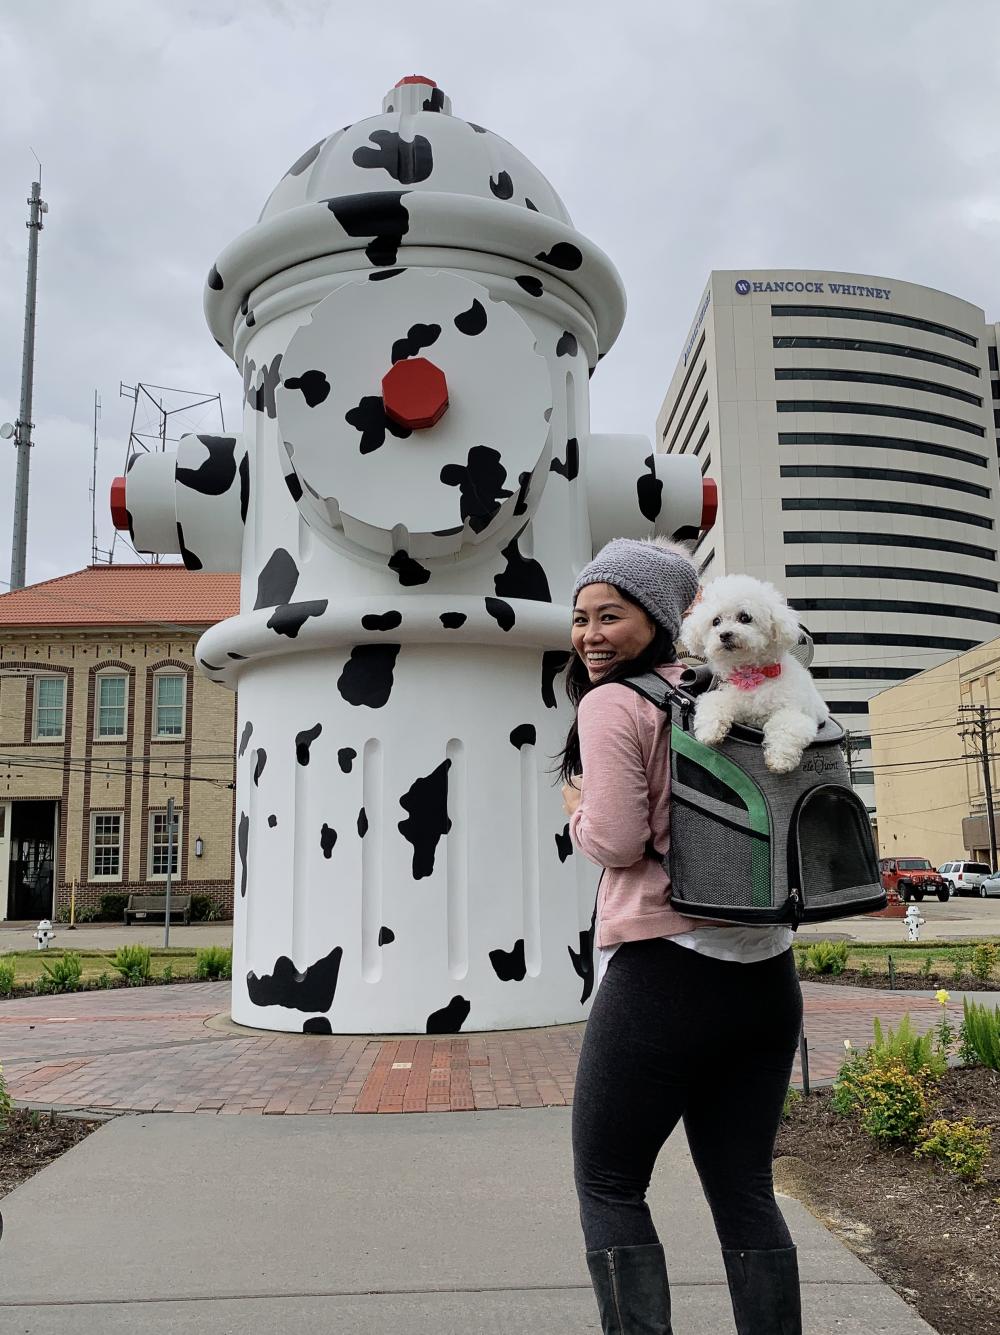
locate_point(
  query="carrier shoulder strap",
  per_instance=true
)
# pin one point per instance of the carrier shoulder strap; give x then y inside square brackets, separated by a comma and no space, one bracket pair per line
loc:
[652,687]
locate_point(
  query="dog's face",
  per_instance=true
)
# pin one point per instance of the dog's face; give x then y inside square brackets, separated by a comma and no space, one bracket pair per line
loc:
[739,620]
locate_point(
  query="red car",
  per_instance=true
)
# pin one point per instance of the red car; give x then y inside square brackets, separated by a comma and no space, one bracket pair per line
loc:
[912,878]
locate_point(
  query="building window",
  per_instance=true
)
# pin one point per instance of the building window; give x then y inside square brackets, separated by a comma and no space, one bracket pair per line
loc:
[903,641]
[861,441]
[877,347]
[50,708]
[901,605]
[884,475]
[994,362]
[878,378]
[884,507]
[847,706]
[802,537]
[159,845]
[701,439]
[692,367]
[112,693]
[863,673]
[877,410]
[837,571]
[106,846]
[168,705]
[875,317]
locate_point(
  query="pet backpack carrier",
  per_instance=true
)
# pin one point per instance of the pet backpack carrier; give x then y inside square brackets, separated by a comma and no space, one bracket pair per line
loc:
[750,846]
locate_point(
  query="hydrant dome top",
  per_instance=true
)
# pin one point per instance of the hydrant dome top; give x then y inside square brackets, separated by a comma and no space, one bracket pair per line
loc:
[415,144]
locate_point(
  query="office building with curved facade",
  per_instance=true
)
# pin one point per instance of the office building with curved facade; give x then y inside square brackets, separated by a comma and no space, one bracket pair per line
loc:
[849,422]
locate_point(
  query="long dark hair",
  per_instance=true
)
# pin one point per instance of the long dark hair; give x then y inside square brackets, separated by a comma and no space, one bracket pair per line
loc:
[659,650]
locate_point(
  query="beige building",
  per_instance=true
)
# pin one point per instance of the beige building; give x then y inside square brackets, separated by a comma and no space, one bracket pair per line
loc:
[103,717]
[929,780]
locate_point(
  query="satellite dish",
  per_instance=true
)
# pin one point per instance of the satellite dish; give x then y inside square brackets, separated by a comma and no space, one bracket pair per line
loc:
[6,431]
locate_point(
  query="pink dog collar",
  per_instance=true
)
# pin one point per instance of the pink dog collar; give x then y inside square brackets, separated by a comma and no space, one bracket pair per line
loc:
[747,678]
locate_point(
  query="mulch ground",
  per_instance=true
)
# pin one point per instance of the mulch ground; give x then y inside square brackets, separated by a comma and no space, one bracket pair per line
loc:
[904,982]
[934,1239]
[30,1142]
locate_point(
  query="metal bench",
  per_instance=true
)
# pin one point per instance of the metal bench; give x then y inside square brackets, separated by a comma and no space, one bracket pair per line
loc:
[142,907]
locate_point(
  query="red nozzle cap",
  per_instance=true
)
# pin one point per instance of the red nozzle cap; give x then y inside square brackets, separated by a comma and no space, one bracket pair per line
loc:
[119,511]
[415,393]
[709,502]
[416,78]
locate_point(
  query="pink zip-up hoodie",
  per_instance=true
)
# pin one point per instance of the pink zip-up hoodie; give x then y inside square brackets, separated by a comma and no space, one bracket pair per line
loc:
[625,802]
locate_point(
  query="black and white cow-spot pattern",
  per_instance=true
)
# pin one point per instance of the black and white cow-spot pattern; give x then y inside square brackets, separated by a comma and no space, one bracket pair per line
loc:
[649,489]
[327,839]
[372,420]
[272,821]
[553,662]
[379,214]
[529,205]
[509,965]
[408,571]
[244,487]
[524,486]
[362,823]
[452,620]
[449,1019]
[530,284]
[306,160]
[569,468]
[480,481]
[564,844]
[243,843]
[406,161]
[215,279]
[251,319]
[472,321]
[563,255]
[291,617]
[276,582]
[382,621]
[346,757]
[311,990]
[210,667]
[435,102]
[190,559]
[501,612]
[502,186]
[367,675]
[384,273]
[259,762]
[319,1024]
[314,386]
[304,740]
[260,394]
[218,471]
[241,658]
[426,801]
[418,337]
[245,738]
[523,735]
[567,345]
[386,936]
[583,963]
[294,486]
[522,577]
[479,129]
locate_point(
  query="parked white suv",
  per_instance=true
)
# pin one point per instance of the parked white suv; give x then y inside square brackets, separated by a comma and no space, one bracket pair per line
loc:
[965,878]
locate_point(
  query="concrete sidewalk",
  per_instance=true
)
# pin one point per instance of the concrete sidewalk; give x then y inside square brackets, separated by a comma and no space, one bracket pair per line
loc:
[441,1223]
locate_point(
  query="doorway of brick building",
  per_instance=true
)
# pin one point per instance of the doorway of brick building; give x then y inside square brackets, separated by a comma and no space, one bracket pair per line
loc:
[31,869]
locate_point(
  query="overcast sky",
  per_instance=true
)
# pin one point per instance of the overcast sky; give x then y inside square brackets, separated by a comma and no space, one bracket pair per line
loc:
[682,137]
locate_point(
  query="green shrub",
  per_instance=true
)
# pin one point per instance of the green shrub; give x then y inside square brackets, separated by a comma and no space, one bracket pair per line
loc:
[926,965]
[5,1101]
[167,976]
[892,1104]
[104,980]
[792,1097]
[214,962]
[915,1053]
[64,973]
[961,1146]
[43,986]
[133,963]
[113,907]
[983,959]
[865,970]
[6,977]
[958,965]
[205,908]
[826,957]
[980,1036]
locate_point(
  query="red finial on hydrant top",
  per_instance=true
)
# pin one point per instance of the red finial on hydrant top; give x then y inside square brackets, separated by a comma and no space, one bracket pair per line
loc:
[415,393]
[119,513]
[416,78]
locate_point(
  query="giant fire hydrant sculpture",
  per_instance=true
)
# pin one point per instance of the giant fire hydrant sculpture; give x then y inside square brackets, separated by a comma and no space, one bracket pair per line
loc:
[412,495]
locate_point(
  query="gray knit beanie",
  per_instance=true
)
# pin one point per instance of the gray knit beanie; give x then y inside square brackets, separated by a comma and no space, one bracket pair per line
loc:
[656,572]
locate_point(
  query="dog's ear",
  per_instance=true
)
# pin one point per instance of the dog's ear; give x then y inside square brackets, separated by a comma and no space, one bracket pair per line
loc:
[786,629]
[693,630]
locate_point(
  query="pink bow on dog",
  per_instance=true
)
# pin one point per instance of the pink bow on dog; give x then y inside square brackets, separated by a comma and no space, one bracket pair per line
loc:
[747,678]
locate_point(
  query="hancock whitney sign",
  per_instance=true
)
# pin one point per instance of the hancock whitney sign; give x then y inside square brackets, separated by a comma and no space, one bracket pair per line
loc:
[744,286]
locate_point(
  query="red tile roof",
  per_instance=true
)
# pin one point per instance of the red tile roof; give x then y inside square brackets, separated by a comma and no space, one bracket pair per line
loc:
[154,596]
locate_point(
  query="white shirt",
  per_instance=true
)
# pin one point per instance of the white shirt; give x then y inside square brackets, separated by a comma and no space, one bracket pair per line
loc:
[736,943]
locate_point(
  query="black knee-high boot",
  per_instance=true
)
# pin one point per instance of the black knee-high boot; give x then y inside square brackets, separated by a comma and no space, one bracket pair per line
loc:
[633,1294]
[765,1291]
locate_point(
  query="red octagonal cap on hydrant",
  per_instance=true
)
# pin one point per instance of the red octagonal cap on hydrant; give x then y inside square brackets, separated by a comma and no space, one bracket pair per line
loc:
[415,393]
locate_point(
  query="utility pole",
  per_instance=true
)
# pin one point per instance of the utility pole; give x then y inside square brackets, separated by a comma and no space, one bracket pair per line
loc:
[22,428]
[980,731]
[849,749]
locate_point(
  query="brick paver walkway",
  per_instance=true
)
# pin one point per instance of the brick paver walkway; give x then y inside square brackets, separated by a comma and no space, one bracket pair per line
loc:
[150,1050]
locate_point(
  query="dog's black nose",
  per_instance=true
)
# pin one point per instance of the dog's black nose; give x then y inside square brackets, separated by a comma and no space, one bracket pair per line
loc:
[726,639]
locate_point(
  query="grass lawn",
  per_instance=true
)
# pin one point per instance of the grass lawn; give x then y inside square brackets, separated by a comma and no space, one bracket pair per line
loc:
[28,963]
[910,957]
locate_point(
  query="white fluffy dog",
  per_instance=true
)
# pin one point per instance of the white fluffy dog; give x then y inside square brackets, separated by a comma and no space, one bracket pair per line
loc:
[744,629]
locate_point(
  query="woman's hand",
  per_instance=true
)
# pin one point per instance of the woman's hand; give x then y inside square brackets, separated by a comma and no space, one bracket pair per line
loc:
[571,794]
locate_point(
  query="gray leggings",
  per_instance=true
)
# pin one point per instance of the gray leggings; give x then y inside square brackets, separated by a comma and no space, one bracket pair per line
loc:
[674,1034]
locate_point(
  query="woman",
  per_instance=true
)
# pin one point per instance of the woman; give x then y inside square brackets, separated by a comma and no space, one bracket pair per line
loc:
[691,1020]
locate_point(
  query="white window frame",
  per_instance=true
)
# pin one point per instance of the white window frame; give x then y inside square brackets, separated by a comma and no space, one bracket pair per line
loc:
[92,874]
[36,736]
[157,678]
[110,675]
[151,844]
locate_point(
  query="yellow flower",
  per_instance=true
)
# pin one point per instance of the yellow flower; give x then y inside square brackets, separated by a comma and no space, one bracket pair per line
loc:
[942,997]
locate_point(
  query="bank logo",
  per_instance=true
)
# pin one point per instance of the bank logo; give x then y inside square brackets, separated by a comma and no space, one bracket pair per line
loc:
[743,286]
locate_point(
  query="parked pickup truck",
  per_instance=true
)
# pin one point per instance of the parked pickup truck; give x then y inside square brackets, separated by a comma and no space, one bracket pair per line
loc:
[912,878]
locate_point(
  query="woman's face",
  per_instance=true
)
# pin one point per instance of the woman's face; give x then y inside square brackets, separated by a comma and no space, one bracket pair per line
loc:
[608,630]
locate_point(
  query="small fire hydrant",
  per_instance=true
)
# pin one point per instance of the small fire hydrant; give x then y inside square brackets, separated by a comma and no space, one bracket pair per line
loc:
[913,921]
[44,934]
